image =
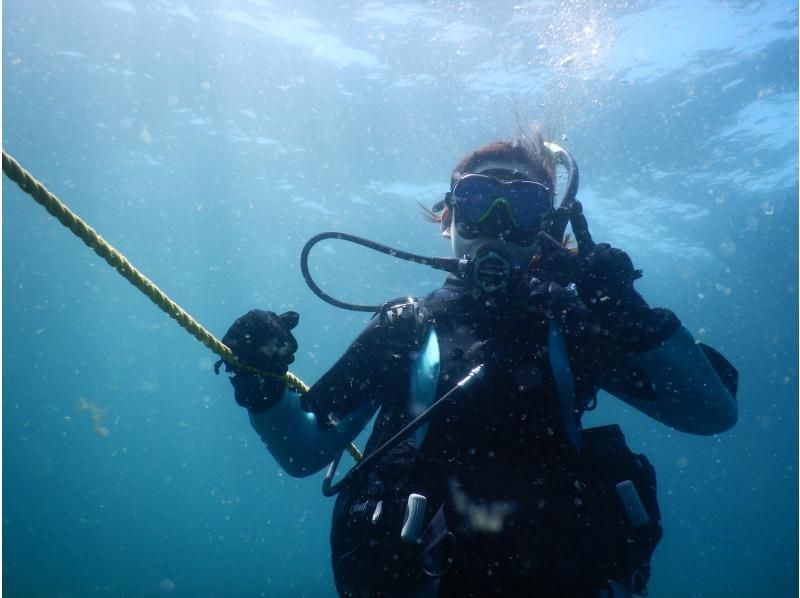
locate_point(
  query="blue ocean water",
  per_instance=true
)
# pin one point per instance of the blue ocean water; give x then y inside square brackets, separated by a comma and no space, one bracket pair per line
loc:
[208,141]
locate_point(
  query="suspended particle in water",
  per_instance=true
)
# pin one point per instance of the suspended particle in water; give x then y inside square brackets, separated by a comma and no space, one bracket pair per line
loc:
[96,415]
[727,248]
[166,585]
[723,289]
[145,136]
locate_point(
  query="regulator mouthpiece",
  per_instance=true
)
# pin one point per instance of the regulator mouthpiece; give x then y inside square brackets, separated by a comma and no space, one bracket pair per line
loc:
[491,271]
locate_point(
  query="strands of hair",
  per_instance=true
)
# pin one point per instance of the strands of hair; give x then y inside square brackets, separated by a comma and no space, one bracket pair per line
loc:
[429,214]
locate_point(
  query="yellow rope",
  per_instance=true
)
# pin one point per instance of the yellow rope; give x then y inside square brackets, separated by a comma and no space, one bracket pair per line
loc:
[116,260]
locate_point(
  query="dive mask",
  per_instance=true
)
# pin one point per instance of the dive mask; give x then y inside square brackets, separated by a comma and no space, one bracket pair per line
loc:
[475,197]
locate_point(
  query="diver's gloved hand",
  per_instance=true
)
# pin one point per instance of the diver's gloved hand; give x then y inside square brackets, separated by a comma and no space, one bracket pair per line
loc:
[550,291]
[557,263]
[262,340]
[564,305]
[606,287]
[607,271]
[604,277]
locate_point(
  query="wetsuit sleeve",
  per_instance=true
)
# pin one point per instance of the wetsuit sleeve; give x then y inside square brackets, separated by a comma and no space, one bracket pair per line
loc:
[681,383]
[305,433]
[363,374]
[294,436]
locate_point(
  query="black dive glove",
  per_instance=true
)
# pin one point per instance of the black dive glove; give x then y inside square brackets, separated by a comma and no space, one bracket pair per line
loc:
[604,276]
[606,287]
[262,340]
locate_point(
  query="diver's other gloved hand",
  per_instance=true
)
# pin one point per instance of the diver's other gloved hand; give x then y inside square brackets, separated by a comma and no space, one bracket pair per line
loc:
[262,340]
[563,305]
[549,291]
[606,287]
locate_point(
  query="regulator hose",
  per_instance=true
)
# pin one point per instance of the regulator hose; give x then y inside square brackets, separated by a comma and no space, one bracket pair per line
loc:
[452,265]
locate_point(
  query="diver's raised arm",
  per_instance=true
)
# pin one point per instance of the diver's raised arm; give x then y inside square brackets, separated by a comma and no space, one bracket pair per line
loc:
[675,381]
[657,366]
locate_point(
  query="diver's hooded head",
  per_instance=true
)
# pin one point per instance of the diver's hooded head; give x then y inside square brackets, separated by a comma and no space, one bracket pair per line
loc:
[500,196]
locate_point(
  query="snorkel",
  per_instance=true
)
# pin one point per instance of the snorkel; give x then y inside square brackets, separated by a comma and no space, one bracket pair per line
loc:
[559,217]
[491,268]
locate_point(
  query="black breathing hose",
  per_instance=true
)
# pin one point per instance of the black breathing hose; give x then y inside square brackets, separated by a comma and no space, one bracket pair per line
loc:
[451,265]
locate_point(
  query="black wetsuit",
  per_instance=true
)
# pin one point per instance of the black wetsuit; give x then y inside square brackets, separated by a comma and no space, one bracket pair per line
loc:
[527,510]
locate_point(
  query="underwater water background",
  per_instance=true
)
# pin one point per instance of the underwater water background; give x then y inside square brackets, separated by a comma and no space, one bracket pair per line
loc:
[208,141]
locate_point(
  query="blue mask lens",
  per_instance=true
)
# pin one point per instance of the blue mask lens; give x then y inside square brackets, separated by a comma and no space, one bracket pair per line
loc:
[476,196]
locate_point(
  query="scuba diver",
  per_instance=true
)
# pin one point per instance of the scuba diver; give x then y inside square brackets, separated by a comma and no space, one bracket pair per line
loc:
[478,478]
